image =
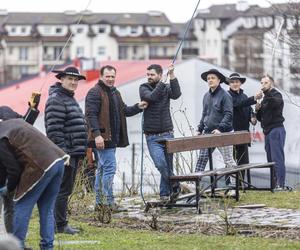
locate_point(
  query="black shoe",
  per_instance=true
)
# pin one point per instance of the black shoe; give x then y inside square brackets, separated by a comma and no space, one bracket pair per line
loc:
[67,230]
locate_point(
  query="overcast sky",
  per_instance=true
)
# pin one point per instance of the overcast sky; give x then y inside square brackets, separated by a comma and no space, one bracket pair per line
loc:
[176,10]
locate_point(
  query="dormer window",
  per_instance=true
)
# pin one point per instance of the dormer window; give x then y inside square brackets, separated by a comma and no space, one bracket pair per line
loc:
[79,30]
[23,30]
[13,30]
[134,30]
[47,30]
[102,29]
[58,30]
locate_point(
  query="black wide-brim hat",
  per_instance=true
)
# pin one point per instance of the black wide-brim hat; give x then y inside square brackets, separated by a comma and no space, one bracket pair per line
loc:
[236,76]
[71,71]
[215,72]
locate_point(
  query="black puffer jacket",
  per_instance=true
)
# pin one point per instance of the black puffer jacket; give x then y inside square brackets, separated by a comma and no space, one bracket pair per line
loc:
[157,117]
[64,121]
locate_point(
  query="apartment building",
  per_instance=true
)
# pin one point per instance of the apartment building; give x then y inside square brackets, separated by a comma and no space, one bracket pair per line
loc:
[31,41]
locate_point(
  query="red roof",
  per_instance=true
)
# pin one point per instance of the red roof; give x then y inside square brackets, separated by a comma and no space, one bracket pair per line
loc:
[17,96]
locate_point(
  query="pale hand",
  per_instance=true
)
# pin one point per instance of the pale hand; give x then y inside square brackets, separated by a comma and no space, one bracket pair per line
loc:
[258,95]
[99,141]
[257,106]
[216,131]
[171,71]
[142,105]
[253,121]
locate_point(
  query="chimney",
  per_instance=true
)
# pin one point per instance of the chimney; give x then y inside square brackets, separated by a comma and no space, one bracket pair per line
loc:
[242,5]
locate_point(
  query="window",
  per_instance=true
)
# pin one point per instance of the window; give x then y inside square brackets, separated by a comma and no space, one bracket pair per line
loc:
[58,30]
[24,70]
[101,51]
[135,49]
[165,51]
[153,51]
[79,30]
[11,50]
[153,30]
[102,29]
[123,52]
[79,51]
[47,30]
[23,53]
[134,30]
[13,30]
[57,53]
[162,30]
[23,30]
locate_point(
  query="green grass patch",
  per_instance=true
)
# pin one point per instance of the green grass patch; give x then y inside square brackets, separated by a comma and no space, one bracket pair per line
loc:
[277,200]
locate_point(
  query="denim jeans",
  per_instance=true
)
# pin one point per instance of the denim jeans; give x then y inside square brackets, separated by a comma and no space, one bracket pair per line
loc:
[274,146]
[44,194]
[163,161]
[106,169]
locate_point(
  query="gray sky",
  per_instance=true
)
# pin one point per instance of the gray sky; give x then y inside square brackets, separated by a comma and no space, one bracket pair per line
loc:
[176,10]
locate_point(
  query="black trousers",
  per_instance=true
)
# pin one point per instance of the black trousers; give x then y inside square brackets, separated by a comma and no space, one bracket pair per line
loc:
[65,191]
[241,156]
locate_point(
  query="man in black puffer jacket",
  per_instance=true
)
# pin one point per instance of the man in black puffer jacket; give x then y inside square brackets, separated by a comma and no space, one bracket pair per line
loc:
[66,127]
[158,124]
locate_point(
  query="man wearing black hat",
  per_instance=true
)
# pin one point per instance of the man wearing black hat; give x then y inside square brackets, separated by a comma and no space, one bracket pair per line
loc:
[66,127]
[216,116]
[242,114]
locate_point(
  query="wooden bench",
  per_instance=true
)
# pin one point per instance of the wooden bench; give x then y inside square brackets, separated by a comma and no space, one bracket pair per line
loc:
[211,141]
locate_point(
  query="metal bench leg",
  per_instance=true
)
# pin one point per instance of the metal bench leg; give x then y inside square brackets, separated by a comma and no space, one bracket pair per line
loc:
[248,177]
[197,182]
[237,183]
[211,168]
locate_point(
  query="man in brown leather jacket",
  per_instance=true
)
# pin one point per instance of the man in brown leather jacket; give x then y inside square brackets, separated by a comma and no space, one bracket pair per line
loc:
[32,166]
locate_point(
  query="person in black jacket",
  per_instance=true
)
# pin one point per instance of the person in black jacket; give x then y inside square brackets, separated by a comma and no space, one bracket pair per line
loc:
[106,116]
[66,127]
[269,113]
[243,115]
[158,124]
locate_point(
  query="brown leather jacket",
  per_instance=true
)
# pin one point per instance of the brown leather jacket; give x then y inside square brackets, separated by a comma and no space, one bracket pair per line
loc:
[35,153]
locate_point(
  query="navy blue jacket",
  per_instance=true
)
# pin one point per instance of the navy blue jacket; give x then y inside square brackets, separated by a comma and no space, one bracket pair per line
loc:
[217,111]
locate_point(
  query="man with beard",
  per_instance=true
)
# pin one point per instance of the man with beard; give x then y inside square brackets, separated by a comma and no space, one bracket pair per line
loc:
[269,113]
[158,124]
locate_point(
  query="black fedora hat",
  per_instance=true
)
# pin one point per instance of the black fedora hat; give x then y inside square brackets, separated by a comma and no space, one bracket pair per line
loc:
[236,76]
[215,72]
[71,71]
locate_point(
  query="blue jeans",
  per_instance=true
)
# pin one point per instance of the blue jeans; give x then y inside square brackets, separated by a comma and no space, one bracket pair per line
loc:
[106,169]
[274,146]
[163,161]
[44,194]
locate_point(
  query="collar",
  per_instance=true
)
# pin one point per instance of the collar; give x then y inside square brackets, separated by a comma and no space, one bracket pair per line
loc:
[216,90]
[236,92]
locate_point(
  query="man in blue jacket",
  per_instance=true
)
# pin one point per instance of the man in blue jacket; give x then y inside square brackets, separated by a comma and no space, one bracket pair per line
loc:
[158,124]
[216,117]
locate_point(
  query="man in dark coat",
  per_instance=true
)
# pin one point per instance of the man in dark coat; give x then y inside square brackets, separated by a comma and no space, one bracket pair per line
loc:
[106,116]
[216,118]
[269,113]
[66,127]
[243,114]
[33,166]
[158,124]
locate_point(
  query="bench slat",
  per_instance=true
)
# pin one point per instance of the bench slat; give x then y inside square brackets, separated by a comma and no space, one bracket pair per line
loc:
[206,141]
